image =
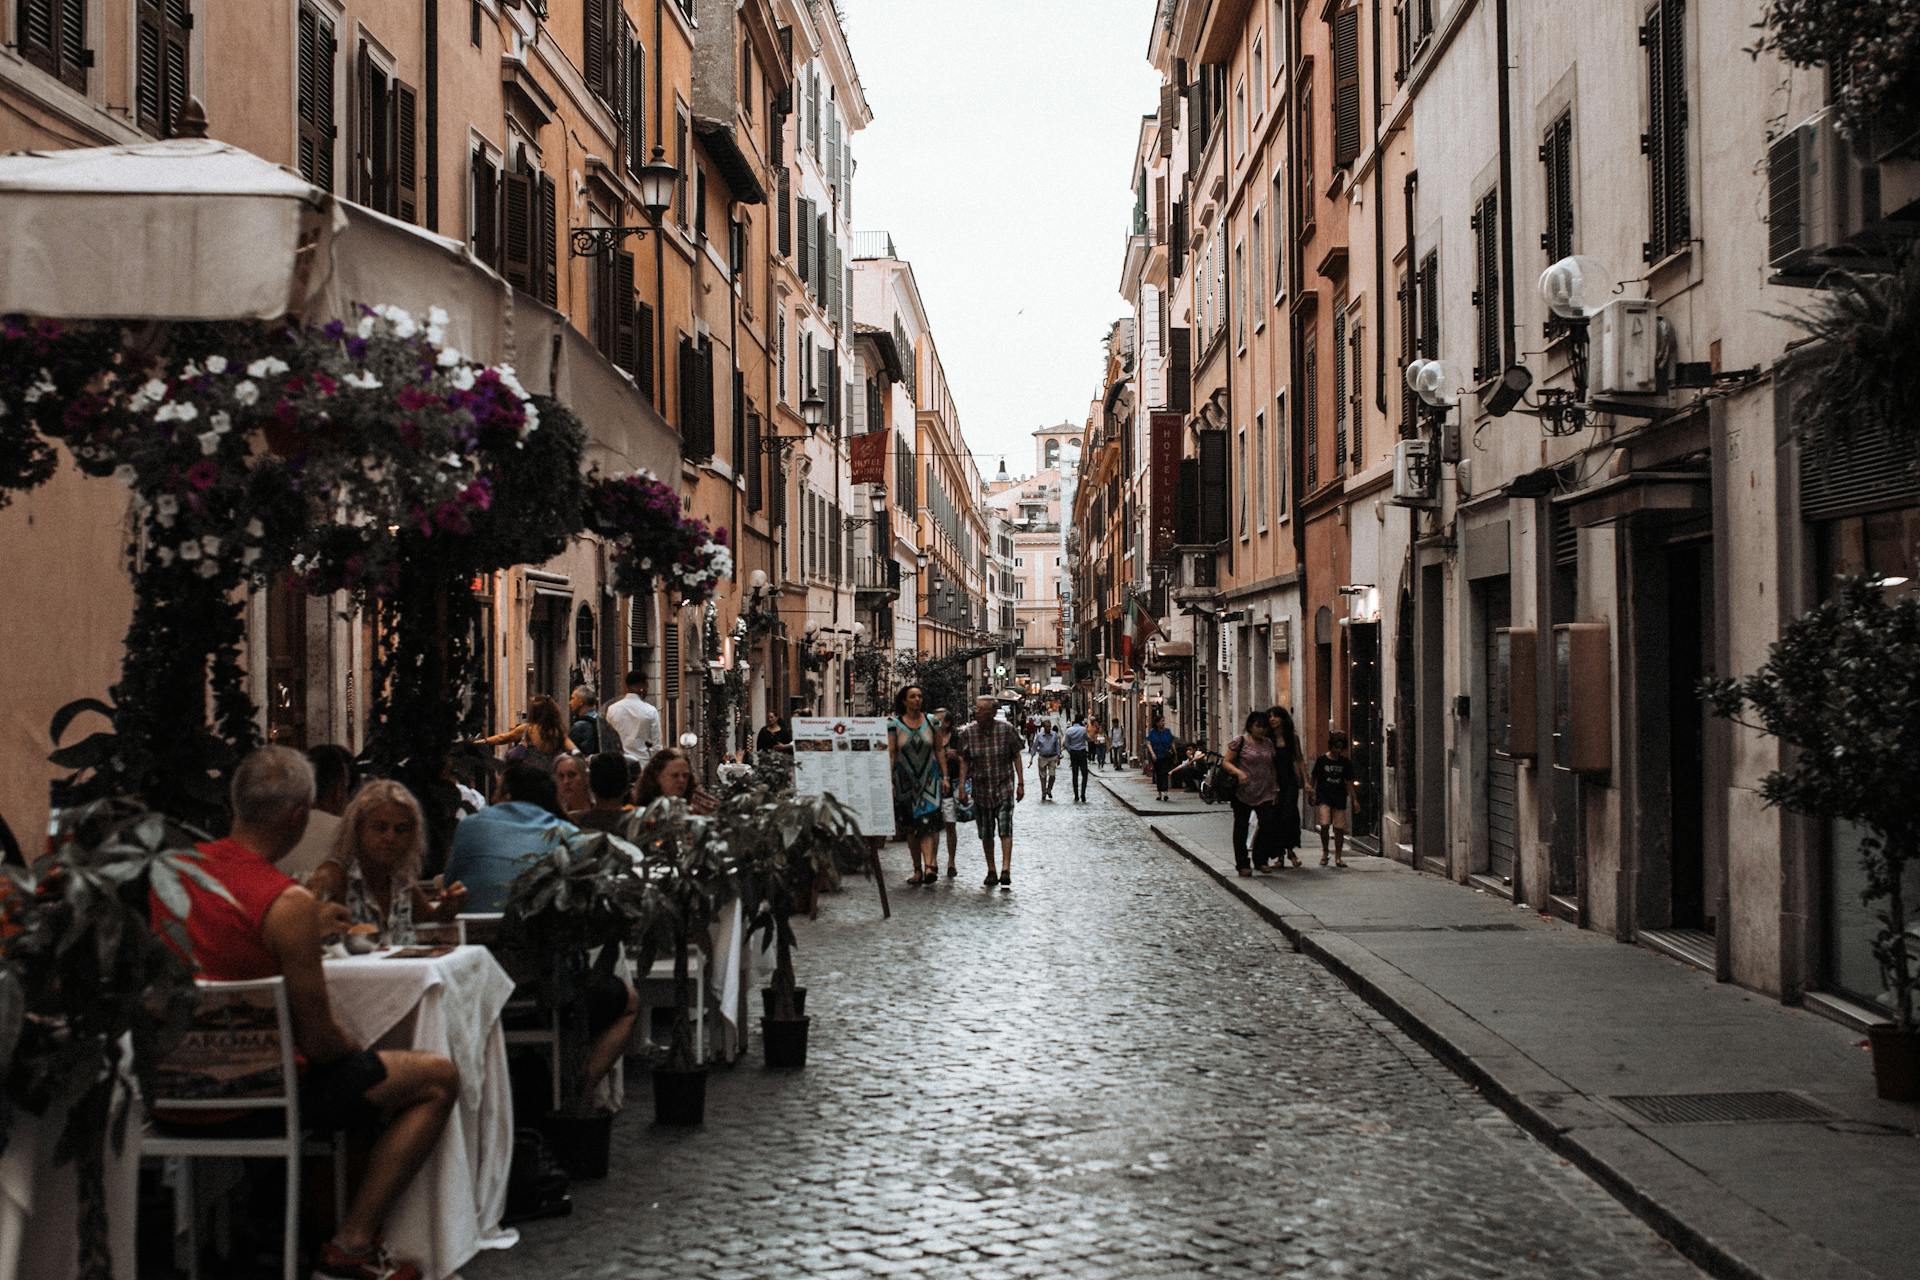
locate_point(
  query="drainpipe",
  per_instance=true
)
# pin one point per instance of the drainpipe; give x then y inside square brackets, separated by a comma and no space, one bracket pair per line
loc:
[1379,234]
[431,9]
[1296,279]
[659,232]
[1502,51]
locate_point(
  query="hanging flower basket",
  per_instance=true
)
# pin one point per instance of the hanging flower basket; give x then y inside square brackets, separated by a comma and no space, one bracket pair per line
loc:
[652,542]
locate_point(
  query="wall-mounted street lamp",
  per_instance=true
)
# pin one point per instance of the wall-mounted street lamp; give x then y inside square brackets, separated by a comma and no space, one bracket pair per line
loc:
[879,507]
[658,181]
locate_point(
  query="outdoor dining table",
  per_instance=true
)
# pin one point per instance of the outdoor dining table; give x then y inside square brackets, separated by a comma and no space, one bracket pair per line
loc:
[449,1004]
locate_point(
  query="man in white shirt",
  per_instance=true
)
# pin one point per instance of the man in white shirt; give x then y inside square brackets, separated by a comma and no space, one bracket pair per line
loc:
[333,779]
[636,720]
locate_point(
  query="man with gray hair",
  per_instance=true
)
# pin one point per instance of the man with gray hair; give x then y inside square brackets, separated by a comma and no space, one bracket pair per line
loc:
[589,731]
[990,753]
[267,926]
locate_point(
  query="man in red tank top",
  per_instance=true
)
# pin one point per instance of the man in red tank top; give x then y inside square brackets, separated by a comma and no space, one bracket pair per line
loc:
[274,926]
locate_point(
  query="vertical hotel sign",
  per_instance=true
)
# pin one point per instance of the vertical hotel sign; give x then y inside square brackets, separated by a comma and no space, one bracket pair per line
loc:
[1165,482]
[868,454]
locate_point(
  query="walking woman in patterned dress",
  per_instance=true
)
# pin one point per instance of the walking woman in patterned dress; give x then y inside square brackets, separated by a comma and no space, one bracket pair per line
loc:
[917,745]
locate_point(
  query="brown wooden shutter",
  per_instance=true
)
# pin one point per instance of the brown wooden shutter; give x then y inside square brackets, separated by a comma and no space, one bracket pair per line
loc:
[1430,306]
[177,62]
[738,443]
[1406,352]
[597,37]
[1169,117]
[626,336]
[783,198]
[1310,363]
[546,250]
[406,153]
[516,244]
[806,240]
[1485,224]
[1665,141]
[1340,392]
[315,97]
[149,58]
[754,461]
[75,57]
[643,342]
[1180,371]
[1186,514]
[485,214]
[37,34]
[1357,412]
[1346,86]
[820,247]
[1215,479]
[1177,241]
[637,154]
[367,132]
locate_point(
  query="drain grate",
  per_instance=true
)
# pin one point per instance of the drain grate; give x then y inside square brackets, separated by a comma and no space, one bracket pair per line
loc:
[1723,1108]
[1488,928]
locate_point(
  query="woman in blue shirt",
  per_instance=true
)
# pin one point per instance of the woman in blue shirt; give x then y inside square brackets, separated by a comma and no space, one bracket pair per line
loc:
[1160,747]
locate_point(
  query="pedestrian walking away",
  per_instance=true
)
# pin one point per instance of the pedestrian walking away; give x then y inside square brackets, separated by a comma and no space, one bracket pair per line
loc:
[636,720]
[1160,748]
[1290,781]
[1046,755]
[914,742]
[1096,741]
[1076,743]
[1252,763]
[1333,781]
[539,738]
[990,760]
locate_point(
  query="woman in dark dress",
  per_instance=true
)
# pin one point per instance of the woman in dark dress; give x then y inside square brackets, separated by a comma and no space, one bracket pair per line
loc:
[1290,778]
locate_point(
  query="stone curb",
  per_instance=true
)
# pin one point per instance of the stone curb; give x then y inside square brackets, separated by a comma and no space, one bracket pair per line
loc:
[1153,809]
[1713,1228]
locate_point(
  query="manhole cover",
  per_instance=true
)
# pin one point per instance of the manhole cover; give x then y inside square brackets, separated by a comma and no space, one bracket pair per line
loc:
[1723,1108]
[1487,928]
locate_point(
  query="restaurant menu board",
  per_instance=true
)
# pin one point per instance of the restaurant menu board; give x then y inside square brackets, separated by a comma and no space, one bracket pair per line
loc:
[846,757]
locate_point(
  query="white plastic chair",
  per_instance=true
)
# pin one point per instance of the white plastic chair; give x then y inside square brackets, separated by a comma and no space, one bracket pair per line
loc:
[239,1056]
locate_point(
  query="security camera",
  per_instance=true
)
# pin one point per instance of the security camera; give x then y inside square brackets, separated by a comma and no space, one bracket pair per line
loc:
[1506,393]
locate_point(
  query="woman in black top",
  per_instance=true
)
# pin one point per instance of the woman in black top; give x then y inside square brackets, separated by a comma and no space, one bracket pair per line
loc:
[1290,774]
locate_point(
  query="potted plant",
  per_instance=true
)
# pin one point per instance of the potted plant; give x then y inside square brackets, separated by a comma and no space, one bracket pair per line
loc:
[1839,689]
[565,918]
[688,874]
[786,846]
[83,977]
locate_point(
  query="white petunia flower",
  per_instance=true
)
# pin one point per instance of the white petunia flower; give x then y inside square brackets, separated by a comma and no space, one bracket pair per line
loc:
[216,364]
[247,392]
[436,335]
[450,357]
[210,544]
[125,474]
[153,389]
[209,442]
[207,569]
[463,378]
[249,555]
[255,529]
[191,370]
[403,325]
[266,367]
[164,555]
[362,381]
[165,508]
[42,386]
[190,550]
[365,327]
[437,316]
[220,421]
[646,564]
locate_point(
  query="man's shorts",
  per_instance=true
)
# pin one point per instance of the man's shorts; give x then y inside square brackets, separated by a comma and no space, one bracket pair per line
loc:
[1329,817]
[1049,766]
[987,819]
[333,1095]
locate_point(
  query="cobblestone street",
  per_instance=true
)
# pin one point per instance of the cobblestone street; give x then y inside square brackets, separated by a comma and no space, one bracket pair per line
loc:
[1111,1070]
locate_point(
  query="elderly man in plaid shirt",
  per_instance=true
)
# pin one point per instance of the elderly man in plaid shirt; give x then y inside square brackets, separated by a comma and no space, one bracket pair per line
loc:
[990,752]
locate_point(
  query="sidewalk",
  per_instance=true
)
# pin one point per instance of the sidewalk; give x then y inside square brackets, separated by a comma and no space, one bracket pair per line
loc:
[1134,789]
[1562,1027]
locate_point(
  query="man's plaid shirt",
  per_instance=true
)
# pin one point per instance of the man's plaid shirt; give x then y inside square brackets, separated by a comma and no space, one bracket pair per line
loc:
[992,752]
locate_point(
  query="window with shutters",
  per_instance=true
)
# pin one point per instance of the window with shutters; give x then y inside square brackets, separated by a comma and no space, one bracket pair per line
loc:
[546,239]
[1240,295]
[1340,401]
[1220,287]
[1556,162]
[1485,225]
[681,212]
[644,339]
[1430,305]
[783,215]
[1279,205]
[1177,241]
[670,664]
[755,461]
[746,73]
[1180,370]
[1404,295]
[52,35]
[1213,480]
[636,131]
[483,208]
[317,50]
[1239,121]
[1257,261]
[163,45]
[781,360]
[1346,87]
[386,153]
[1669,225]
[1260,470]
[604,28]
[1259,78]
[806,254]
[1310,374]
[1282,462]
[737,458]
[614,315]
[1356,400]
[699,200]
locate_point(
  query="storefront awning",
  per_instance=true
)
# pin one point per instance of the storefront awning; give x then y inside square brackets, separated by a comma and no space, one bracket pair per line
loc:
[1636,493]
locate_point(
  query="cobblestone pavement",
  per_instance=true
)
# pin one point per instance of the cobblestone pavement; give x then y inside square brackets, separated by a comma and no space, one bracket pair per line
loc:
[1112,1070]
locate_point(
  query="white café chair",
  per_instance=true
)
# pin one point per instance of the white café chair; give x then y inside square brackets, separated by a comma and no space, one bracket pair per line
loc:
[480,928]
[655,987]
[239,1056]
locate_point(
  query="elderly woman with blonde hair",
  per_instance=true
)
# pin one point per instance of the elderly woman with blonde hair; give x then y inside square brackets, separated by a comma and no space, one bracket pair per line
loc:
[375,864]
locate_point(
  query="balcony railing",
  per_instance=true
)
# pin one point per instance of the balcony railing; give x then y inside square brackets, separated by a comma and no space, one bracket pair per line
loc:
[877,574]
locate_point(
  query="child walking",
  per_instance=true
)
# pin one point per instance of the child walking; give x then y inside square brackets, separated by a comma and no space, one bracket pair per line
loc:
[1332,781]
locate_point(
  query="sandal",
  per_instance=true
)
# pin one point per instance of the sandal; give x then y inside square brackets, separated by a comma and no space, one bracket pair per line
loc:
[1323,859]
[952,871]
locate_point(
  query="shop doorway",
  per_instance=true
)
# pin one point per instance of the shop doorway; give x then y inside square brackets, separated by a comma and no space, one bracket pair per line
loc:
[1688,613]
[1500,794]
[1430,813]
[286,609]
[1364,728]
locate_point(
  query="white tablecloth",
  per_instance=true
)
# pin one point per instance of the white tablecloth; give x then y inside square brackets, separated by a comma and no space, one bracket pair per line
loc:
[449,1005]
[39,1204]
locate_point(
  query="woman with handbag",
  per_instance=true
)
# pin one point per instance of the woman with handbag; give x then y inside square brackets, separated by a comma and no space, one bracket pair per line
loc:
[915,742]
[1251,762]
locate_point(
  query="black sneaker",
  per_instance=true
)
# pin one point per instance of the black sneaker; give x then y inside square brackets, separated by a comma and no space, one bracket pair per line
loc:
[1006,880]
[990,881]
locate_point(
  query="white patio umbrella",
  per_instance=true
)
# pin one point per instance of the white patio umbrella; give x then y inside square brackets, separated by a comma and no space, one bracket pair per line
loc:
[186,229]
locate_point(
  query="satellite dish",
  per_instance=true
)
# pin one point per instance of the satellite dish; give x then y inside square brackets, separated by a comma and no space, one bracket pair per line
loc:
[1576,287]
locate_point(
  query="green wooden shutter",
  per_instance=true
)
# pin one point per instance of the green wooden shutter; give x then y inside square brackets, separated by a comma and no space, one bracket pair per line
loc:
[406,154]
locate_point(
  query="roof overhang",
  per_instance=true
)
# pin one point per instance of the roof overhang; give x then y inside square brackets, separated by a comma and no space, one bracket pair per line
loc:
[1638,493]
[736,170]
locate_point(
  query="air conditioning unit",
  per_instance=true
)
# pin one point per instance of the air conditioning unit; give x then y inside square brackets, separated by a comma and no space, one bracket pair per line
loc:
[1821,200]
[1413,474]
[1626,348]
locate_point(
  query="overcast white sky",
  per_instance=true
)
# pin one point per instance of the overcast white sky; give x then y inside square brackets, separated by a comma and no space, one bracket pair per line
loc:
[998,157]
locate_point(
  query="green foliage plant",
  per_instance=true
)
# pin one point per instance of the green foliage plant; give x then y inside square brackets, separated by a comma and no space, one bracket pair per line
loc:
[689,872]
[1842,689]
[1873,44]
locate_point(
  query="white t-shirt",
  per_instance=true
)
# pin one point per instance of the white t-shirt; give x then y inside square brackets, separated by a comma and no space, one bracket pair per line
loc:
[315,846]
[637,721]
